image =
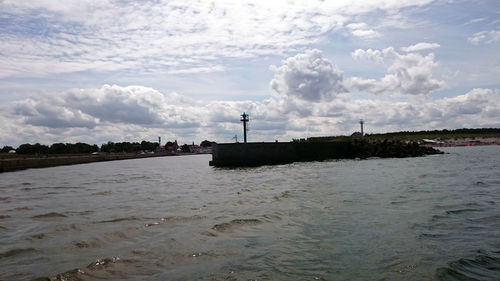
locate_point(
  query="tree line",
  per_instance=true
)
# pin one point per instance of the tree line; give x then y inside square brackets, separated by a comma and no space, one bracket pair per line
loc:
[417,135]
[81,148]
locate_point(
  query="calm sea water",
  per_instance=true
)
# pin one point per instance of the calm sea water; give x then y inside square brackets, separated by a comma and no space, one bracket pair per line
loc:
[176,218]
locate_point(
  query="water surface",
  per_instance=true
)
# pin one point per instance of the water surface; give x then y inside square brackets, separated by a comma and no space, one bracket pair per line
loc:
[176,218]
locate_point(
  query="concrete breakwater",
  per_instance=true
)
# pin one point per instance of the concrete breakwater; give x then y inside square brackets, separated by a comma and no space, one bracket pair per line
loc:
[269,153]
[18,162]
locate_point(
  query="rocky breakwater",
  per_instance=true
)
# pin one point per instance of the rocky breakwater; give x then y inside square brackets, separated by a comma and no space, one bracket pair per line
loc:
[362,148]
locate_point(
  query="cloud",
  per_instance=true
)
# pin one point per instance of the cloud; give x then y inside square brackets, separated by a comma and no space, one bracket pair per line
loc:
[485,36]
[474,21]
[109,104]
[310,97]
[176,37]
[307,76]
[362,31]
[420,47]
[373,55]
[47,114]
[407,74]
[69,119]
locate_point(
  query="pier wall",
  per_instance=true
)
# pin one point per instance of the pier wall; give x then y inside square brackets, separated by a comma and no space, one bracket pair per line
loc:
[254,154]
[268,153]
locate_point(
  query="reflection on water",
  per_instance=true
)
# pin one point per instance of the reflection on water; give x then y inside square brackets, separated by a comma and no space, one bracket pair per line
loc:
[176,218]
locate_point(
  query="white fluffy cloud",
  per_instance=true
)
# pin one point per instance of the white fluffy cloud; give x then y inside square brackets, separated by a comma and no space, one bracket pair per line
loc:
[307,76]
[407,74]
[372,55]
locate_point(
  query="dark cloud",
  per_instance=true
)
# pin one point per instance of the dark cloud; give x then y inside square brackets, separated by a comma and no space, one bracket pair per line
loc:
[45,113]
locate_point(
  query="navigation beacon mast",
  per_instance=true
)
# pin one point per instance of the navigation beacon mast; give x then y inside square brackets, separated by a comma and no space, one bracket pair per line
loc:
[244,119]
[361,122]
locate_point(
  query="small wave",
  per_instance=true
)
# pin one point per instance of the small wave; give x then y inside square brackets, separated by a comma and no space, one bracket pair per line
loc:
[432,235]
[81,213]
[395,264]
[182,219]
[399,202]
[460,211]
[38,236]
[244,190]
[102,193]
[91,244]
[69,227]
[120,219]
[271,217]
[238,222]
[203,254]
[78,274]
[62,187]
[175,219]
[4,217]
[49,215]
[103,263]
[490,219]
[481,267]
[15,252]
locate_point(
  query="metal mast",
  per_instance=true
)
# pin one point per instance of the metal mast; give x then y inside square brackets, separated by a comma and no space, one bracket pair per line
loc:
[361,122]
[244,119]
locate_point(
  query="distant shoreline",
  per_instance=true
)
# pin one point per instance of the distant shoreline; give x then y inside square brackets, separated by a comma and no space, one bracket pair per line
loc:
[15,162]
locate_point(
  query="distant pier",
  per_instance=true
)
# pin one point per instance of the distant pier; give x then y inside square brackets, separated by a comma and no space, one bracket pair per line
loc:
[21,162]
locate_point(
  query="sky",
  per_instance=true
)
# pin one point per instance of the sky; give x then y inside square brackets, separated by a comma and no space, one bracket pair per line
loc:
[115,70]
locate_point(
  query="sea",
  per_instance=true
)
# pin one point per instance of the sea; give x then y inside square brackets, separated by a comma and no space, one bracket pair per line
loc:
[176,218]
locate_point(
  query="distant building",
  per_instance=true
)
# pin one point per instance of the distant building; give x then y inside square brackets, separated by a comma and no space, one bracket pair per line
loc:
[172,146]
[194,148]
[160,148]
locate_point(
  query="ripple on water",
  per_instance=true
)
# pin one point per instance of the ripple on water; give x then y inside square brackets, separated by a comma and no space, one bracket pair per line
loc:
[99,269]
[14,252]
[94,243]
[226,226]
[483,266]
[460,211]
[132,218]
[49,215]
